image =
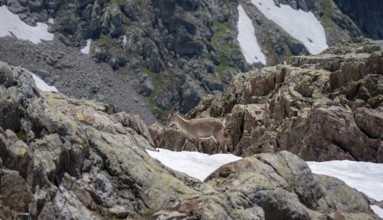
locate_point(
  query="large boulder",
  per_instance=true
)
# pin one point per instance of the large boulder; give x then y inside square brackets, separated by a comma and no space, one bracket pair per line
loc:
[328,134]
[370,121]
[284,187]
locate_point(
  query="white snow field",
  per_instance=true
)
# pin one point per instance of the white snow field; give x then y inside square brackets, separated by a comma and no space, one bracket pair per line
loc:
[363,176]
[247,39]
[301,25]
[11,25]
[86,49]
[194,164]
[43,86]
[377,210]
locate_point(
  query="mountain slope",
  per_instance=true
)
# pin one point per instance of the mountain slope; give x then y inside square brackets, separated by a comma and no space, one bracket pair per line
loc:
[170,52]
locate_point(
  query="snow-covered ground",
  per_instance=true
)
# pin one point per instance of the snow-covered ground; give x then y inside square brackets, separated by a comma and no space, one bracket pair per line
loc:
[194,164]
[377,210]
[301,25]
[86,49]
[365,177]
[11,25]
[43,86]
[247,39]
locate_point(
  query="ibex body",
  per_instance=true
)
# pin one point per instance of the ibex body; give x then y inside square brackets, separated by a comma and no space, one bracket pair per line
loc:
[199,128]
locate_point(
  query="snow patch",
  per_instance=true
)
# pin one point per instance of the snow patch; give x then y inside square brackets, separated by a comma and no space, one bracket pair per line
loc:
[301,25]
[247,39]
[124,41]
[194,164]
[377,210]
[86,49]
[51,21]
[43,86]
[11,25]
[364,176]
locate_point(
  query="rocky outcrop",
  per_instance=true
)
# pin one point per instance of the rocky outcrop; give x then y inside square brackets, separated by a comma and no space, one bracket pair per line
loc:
[294,194]
[63,158]
[322,107]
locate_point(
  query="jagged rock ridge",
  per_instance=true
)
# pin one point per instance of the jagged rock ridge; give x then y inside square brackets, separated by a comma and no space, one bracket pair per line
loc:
[323,107]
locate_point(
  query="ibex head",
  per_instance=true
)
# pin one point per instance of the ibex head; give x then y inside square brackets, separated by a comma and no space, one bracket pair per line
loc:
[172,116]
[172,119]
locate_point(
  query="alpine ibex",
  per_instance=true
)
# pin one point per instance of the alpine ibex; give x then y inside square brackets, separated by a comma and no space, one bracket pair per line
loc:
[199,128]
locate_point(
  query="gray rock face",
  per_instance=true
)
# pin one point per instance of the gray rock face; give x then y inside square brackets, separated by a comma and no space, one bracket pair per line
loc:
[369,120]
[70,159]
[366,16]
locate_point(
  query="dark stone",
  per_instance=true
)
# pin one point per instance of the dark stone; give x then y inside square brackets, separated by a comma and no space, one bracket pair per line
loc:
[367,17]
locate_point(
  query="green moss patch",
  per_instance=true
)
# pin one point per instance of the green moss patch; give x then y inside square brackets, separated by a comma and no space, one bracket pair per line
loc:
[226,50]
